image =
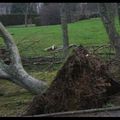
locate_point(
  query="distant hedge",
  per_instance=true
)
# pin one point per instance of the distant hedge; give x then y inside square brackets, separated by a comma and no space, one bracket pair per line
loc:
[51,20]
[16,19]
[41,21]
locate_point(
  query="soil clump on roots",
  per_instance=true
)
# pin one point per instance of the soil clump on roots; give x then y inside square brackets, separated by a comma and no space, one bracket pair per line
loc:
[81,83]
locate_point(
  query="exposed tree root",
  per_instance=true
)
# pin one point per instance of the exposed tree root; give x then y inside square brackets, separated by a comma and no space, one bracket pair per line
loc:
[81,83]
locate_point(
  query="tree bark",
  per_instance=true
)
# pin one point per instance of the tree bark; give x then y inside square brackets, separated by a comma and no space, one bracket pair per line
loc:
[64,25]
[15,72]
[108,19]
[26,15]
[118,10]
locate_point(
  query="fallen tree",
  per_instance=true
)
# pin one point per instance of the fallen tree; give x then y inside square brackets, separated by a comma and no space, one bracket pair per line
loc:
[82,82]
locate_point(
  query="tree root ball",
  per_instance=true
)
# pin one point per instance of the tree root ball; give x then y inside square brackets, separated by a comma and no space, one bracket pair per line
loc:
[81,83]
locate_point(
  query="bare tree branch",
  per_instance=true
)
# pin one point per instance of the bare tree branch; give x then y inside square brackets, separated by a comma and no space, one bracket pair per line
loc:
[4,75]
[15,71]
[8,39]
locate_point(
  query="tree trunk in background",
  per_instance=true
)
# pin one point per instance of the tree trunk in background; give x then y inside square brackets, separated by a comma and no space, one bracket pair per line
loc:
[64,27]
[108,19]
[118,10]
[26,15]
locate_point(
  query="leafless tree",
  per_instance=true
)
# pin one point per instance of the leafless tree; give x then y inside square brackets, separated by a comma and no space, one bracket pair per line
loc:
[15,72]
[118,8]
[63,12]
[49,13]
[26,14]
[108,18]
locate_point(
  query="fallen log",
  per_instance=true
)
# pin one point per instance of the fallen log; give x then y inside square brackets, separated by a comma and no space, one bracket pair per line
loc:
[43,63]
[82,83]
[51,48]
[99,112]
[57,49]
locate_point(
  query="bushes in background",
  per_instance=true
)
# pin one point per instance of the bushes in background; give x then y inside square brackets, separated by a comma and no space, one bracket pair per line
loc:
[15,19]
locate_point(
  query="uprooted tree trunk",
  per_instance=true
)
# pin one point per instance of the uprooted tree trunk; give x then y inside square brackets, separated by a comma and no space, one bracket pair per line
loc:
[82,82]
[15,72]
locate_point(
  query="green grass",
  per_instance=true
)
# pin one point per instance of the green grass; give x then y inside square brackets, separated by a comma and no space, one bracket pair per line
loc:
[33,40]
[14,99]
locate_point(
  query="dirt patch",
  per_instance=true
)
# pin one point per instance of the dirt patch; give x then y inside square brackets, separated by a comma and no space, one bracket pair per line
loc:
[81,83]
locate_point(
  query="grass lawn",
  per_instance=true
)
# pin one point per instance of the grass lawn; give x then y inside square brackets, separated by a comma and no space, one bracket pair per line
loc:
[14,99]
[32,41]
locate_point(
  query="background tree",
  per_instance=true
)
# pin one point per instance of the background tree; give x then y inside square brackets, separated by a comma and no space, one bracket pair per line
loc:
[49,14]
[24,8]
[63,12]
[118,7]
[18,8]
[26,14]
[108,18]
